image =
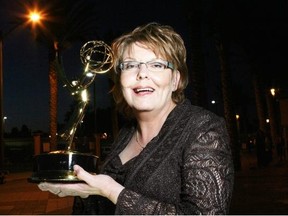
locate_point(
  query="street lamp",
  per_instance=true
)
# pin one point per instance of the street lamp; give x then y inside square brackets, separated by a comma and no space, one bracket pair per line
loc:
[273,91]
[238,123]
[4,122]
[33,17]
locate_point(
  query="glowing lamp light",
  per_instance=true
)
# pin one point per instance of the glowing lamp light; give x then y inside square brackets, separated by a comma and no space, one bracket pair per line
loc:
[34,16]
[273,91]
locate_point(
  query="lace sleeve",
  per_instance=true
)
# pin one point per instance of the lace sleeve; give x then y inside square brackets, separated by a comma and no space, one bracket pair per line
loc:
[131,203]
[207,177]
[208,172]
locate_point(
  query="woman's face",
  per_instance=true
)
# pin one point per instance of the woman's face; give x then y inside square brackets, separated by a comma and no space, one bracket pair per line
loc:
[144,90]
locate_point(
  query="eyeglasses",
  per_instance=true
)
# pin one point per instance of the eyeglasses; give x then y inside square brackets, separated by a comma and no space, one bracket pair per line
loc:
[153,66]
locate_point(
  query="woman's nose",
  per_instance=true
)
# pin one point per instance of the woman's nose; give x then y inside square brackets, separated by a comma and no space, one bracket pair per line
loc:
[143,72]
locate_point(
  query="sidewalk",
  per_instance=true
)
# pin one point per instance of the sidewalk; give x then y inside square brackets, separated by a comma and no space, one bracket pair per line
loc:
[257,191]
[262,191]
[18,197]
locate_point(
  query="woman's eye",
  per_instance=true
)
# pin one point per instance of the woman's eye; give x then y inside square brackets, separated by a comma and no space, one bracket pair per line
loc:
[130,65]
[157,65]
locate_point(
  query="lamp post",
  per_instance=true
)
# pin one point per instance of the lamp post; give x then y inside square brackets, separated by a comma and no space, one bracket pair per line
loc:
[33,17]
[1,104]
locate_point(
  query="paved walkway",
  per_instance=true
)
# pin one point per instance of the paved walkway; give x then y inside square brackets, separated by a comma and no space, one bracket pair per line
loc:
[257,191]
[261,191]
[17,196]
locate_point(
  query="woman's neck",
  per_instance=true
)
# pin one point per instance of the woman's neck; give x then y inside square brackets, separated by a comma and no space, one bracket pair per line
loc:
[150,124]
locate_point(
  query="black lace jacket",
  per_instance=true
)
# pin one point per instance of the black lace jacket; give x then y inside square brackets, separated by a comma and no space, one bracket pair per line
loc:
[186,169]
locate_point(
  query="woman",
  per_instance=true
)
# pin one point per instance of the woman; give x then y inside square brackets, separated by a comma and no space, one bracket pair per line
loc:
[172,157]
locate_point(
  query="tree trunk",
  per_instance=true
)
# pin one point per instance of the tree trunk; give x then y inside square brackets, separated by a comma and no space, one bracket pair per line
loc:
[53,81]
[197,72]
[272,118]
[229,112]
[2,147]
[259,100]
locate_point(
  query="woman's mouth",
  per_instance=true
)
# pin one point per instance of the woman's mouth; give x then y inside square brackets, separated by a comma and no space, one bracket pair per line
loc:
[140,90]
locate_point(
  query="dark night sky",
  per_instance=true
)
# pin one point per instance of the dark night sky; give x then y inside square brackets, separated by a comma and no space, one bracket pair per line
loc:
[26,90]
[26,87]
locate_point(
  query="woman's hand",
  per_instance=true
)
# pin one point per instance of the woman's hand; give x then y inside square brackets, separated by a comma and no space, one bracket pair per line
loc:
[102,185]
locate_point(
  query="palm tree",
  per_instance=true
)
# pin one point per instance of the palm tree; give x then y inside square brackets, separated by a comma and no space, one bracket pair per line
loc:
[193,12]
[216,23]
[53,100]
[259,99]
[274,130]
[227,94]
[222,33]
[257,39]
[65,22]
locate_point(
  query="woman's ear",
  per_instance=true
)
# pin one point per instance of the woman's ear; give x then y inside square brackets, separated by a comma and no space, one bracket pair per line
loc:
[176,78]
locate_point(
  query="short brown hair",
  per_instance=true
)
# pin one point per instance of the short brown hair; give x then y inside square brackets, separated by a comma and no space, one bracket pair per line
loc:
[163,41]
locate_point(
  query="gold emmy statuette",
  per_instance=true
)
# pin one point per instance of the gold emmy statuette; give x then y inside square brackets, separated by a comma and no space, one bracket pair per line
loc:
[57,166]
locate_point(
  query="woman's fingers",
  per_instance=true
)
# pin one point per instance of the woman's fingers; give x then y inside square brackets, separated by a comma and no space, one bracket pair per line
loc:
[53,188]
[82,174]
[74,190]
[80,189]
[63,190]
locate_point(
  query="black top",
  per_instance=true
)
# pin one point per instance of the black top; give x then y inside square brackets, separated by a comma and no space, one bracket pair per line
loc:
[186,169]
